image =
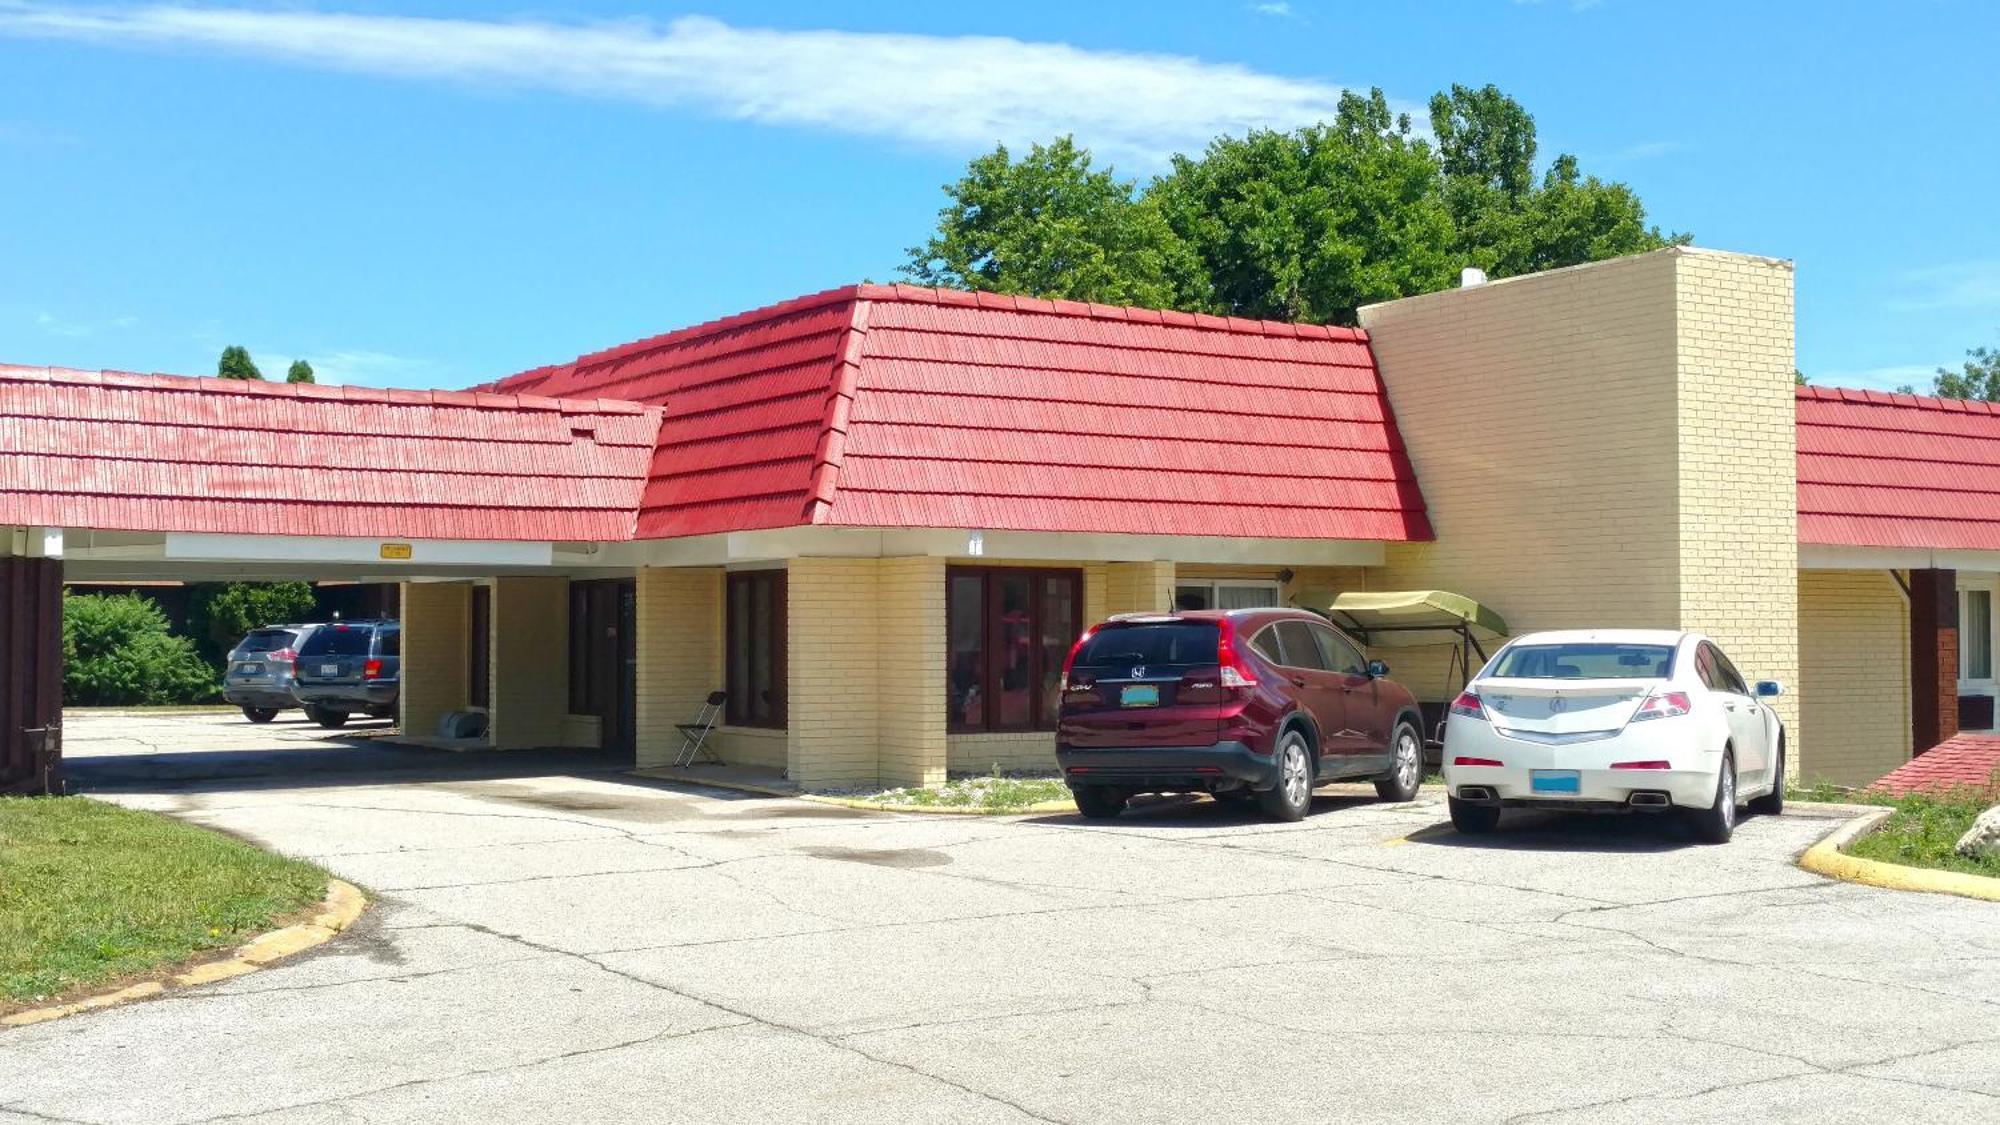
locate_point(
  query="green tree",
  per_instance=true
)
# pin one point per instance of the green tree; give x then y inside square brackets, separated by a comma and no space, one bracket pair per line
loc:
[220,613]
[1977,378]
[1303,225]
[299,372]
[236,364]
[1309,225]
[117,650]
[1050,225]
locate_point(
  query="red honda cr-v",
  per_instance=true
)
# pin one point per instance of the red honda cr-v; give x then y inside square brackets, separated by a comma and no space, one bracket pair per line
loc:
[1248,704]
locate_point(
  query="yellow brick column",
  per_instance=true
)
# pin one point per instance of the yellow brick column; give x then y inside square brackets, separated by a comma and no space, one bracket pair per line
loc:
[833,686]
[1738,469]
[1136,587]
[680,654]
[530,662]
[436,616]
[910,663]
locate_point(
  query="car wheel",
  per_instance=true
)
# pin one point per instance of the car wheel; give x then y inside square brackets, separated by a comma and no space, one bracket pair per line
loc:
[328,717]
[1473,820]
[1406,770]
[1715,824]
[260,714]
[1773,803]
[1098,802]
[1293,794]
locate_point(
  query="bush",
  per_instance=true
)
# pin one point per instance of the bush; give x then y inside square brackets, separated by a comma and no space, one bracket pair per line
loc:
[219,614]
[117,650]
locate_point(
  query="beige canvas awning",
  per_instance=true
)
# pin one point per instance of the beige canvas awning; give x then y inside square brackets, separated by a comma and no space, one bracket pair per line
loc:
[1395,618]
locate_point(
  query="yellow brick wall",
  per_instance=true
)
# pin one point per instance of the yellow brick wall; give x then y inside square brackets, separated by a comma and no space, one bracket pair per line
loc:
[436,616]
[1739,555]
[530,700]
[1009,751]
[832,738]
[1539,414]
[1137,587]
[680,659]
[911,667]
[1854,674]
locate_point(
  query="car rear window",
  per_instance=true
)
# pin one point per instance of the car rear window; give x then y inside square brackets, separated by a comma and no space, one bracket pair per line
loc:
[1166,642]
[336,641]
[1585,661]
[266,640]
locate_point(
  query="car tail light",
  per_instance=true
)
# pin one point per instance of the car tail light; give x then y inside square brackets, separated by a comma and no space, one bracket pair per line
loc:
[1069,661]
[1236,671]
[1664,705]
[1477,762]
[1468,704]
[1648,765]
[371,670]
[282,656]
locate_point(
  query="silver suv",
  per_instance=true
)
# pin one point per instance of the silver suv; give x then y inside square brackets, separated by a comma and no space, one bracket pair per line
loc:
[259,676]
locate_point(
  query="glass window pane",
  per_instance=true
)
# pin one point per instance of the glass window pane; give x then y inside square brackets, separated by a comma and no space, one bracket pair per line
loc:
[1192,597]
[760,649]
[1341,656]
[1058,632]
[1266,643]
[1975,635]
[965,597]
[1295,637]
[1014,642]
[739,651]
[1241,596]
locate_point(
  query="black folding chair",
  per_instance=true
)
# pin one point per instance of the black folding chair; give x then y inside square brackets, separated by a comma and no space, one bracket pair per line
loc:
[694,735]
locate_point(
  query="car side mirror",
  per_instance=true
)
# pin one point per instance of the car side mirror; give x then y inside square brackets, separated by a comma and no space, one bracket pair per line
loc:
[1377,669]
[1769,689]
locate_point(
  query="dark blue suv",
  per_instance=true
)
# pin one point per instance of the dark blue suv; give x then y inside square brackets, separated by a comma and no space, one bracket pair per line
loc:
[349,666]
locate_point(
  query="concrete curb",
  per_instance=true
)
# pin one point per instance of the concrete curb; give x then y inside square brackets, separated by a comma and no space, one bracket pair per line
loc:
[1827,858]
[342,905]
[933,810]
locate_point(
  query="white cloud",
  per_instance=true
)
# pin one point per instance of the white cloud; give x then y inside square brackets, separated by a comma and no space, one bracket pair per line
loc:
[956,93]
[1958,285]
[78,329]
[1273,8]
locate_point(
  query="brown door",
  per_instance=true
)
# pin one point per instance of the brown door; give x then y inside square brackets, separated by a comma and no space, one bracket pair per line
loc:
[603,657]
[30,675]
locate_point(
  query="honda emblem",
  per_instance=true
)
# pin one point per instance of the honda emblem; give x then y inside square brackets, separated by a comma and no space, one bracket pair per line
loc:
[1139,672]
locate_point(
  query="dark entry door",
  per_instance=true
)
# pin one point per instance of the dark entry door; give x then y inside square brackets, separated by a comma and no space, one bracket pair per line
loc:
[603,657]
[30,675]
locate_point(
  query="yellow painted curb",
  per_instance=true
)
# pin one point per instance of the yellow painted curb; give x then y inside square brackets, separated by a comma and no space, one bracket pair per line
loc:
[342,905]
[1827,858]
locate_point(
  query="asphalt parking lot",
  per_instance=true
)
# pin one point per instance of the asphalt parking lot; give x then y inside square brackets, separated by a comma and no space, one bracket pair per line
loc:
[550,945]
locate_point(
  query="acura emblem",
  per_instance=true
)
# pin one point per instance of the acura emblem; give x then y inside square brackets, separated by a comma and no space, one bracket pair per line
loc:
[1556,705]
[1139,672]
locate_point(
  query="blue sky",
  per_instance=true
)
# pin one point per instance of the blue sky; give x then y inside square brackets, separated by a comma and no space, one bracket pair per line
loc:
[435,195]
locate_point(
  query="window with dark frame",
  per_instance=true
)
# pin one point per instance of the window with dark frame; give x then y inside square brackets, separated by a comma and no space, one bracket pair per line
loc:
[1008,631]
[755,645]
[478,649]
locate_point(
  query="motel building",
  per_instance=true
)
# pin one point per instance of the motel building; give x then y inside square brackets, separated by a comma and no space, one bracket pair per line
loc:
[878,516]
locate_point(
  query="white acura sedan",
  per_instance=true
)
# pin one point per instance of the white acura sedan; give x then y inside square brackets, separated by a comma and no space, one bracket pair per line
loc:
[1640,719]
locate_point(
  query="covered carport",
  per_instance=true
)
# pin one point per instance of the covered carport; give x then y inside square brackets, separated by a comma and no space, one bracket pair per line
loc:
[485,508]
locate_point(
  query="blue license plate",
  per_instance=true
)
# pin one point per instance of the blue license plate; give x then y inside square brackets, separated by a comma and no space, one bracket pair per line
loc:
[1140,695]
[1555,781]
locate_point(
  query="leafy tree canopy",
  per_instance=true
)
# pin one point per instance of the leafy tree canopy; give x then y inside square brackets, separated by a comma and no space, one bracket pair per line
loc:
[299,372]
[1303,225]
[220,613]
[1977,378]
[236,364]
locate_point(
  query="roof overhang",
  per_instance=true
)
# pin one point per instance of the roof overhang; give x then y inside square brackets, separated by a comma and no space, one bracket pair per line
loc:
[976,545]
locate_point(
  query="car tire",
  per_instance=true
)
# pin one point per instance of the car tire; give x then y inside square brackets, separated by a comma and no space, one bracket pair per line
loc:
[1293,794]
[1773,803]
[1716,823]
[328,717]
[1406,769]
[260,714]
[1474,820]
[1098,802]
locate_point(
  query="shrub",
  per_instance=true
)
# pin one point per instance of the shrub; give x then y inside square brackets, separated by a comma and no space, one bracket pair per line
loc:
[219,614]
[117,650]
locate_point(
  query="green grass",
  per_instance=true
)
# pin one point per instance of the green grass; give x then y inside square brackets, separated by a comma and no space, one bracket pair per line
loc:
[90,892]
[1922,832]
[991,793]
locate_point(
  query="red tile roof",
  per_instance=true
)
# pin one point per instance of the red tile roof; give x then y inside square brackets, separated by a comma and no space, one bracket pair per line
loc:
[1895,470]
[119,451]
[1967,761]
[901,406]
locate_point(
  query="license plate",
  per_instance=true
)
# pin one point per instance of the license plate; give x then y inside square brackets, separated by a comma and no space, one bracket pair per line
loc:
[1555,781]
[1140,695]
[250,669]
[329,669]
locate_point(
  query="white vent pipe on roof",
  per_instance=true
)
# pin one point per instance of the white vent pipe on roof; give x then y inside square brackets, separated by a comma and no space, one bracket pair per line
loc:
[1471,276]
